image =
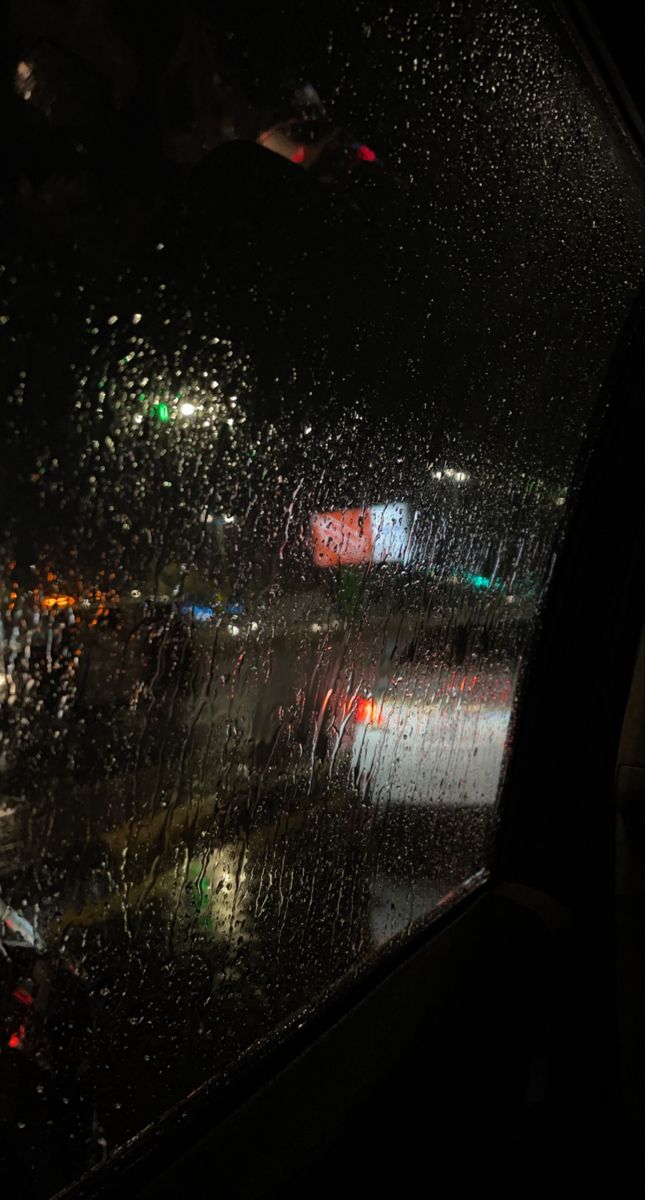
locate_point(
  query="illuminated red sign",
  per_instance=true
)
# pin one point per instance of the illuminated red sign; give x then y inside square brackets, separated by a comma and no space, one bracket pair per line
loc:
[379,533]
[342,537]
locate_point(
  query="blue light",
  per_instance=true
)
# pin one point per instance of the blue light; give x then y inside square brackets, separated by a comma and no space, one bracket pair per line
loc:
[199,612]
[235,608]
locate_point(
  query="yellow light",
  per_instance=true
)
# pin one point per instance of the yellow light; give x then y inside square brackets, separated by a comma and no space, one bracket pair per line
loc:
[58,601]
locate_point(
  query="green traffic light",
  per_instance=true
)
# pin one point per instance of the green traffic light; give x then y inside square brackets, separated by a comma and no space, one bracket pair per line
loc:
[159,410]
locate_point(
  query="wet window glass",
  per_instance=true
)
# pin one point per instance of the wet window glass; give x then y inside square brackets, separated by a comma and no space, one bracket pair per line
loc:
[303,320]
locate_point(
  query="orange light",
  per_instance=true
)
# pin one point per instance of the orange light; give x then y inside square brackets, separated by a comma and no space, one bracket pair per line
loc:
[58,601]
[368,711]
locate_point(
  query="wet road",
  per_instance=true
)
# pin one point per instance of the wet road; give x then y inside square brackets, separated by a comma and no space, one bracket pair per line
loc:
[234,838]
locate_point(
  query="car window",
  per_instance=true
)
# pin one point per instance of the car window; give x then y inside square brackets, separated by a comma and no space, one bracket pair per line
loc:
[304,319]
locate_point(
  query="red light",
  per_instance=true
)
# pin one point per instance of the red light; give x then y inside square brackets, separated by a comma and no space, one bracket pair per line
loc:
[365,154]
[299,155]
[16,1039]
[23,996]
[368,711]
